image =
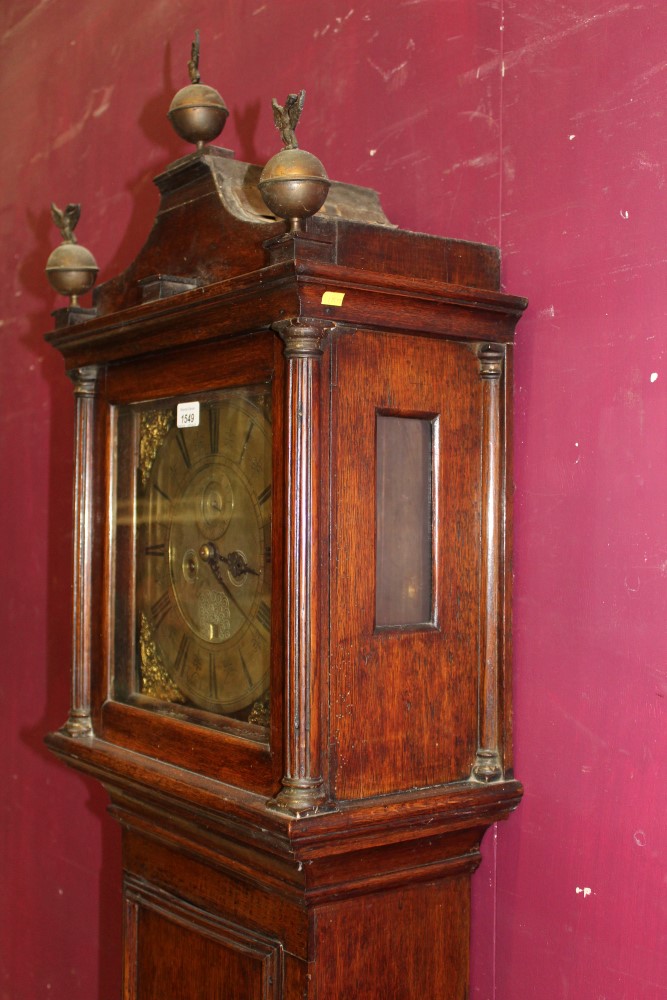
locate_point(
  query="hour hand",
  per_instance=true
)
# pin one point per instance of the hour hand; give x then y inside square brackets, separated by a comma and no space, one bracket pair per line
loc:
[234,561]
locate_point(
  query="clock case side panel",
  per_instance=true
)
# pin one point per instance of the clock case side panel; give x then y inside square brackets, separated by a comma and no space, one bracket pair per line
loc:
[404,699]
[254,763]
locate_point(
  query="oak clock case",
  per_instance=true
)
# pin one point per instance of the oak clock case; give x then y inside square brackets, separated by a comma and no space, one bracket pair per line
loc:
[292,568]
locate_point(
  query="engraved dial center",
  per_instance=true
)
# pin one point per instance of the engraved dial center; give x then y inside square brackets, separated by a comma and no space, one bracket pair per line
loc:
[215,505]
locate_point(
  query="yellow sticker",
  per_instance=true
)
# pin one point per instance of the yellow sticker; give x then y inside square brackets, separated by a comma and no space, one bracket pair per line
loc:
[333,298]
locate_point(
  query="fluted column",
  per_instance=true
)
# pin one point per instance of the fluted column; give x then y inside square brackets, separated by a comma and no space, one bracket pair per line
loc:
[488,764]
[302,784]
[79,721]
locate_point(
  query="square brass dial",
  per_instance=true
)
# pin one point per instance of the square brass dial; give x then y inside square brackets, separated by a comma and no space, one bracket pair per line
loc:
[197,528]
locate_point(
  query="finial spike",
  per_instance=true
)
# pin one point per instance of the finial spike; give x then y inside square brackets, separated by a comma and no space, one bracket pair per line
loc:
[193,65]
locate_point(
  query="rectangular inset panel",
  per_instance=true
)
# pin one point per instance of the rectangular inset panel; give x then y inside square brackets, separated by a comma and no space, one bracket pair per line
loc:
[176,951]
[404,521]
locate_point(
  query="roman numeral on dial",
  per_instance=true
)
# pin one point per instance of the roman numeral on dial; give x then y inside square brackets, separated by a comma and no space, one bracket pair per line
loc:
[161,609]
[214,429]
[182,655]
[245,441]
[264,615]
[159,549]
[244,665]
[183,448]
[212,676]
[165,496]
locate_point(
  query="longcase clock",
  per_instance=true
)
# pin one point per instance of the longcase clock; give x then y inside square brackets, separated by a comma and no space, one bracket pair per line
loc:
[292,586]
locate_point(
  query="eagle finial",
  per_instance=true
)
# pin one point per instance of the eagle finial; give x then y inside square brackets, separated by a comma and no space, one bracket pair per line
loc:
[66,220]
[287,118]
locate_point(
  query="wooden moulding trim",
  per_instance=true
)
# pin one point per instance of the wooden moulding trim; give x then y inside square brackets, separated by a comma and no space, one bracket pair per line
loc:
[410,287]
[355,869]
[216,806]
[176,308]
[328,877]
[443,836]
[441,810]
[146,780]
[386,880]
[408,309]
[226,309]
[253,858]
[190,167]
[223,754]
[275,292]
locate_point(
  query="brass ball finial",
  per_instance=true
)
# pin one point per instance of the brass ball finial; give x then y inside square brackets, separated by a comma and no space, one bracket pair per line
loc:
[197,112]
[71,269]
[294,184]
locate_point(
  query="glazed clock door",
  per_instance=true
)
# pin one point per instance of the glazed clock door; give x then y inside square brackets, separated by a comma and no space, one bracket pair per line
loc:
[193,607]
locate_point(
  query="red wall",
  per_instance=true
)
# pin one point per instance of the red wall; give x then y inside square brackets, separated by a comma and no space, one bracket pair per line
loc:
[534,125]
[583,234]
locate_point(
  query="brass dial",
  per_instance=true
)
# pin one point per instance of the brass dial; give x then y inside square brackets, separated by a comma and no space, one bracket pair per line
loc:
[204,548]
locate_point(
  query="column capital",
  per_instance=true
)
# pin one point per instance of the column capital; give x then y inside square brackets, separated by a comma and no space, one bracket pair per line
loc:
[85,380]
[303,337]
[491,360]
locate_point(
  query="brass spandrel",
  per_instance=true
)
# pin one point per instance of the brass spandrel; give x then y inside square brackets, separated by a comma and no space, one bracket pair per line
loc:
[155,681]
[260,713]
[155,425]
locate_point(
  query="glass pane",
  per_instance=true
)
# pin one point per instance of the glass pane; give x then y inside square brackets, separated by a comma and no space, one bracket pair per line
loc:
[404,521]
[194,525]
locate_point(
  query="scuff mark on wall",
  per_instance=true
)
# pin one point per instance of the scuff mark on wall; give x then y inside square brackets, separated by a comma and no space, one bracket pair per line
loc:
[387,75]
[511,59]
[485,160]
[339,22]
[99,101]
[25,21]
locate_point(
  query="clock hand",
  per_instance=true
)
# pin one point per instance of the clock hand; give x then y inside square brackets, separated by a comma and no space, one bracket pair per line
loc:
[210,555]
[236,562]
